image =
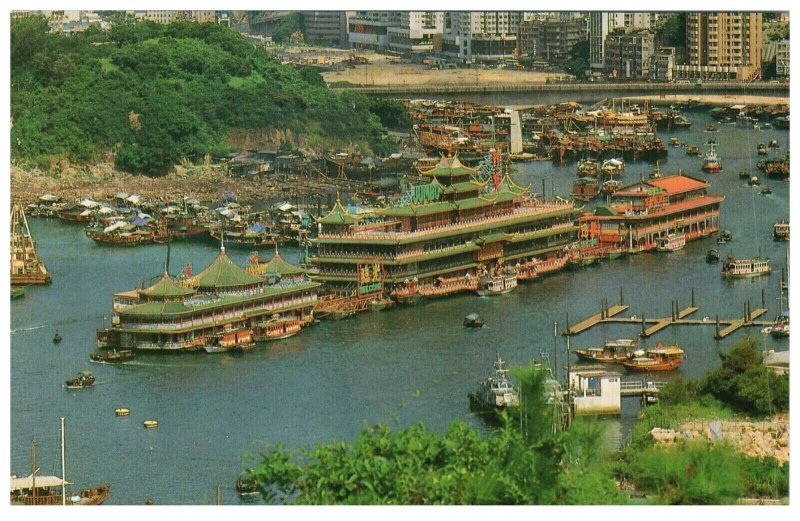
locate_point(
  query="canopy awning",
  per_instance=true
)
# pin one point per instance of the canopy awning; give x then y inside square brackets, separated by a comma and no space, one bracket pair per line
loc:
[88,203]
[41,481]
[49,198]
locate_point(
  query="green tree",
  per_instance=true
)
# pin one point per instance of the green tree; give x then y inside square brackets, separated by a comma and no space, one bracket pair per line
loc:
[287,26]
[28,37]
[578,61]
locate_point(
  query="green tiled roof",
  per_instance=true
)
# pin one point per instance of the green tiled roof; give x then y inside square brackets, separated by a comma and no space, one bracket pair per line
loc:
[521,237]
[150,309]
[278,266]
[166,287]
[449,166]
[338,215]
[494,237]
[604,210]
[223,273]
[508,185]
[427,209]
[464,186]
[397,210]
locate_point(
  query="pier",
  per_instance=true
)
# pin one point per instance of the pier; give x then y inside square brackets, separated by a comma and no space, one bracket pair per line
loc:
[639,387]
[650,326]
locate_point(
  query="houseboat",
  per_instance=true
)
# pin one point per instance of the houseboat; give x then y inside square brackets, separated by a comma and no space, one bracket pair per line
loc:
[711,161]
[780,231]
[585,189]
[502,281]
[659,358]
[611,351]
[739,268]
[187,313]
[277,328]
[638,215]
[671,242]
[431,241]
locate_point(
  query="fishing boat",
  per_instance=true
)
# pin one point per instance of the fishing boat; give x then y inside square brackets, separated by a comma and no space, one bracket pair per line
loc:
[231,340]
[612,351]
[17,292]
[585,189]
[588,167]
[610,186]
[780,231]
[740,268]
[692,150]
[774,144]
[672,242]
[52,490]
[277,328]
[712,256]
[83,380]
[612,167]
[659,358]
[503,281]
[762,149]
[673,141]
[26,267]
[754,181]
[656,173]
[473,320]
[112,356]
[711,127]
[724,236]
[711,161]
[57,338]
[496,391]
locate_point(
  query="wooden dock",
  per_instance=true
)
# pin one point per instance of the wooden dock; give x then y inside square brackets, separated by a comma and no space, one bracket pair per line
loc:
[678,317]
[595,319]
[736,324]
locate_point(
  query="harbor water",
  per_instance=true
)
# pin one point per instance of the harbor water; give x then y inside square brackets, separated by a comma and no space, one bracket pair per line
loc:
[399,367]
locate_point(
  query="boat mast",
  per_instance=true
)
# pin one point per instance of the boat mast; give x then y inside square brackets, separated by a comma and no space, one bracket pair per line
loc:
[63,468]
[33,469]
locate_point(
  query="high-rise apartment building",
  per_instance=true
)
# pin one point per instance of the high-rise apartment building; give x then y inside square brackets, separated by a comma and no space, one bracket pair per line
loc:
[481,35]
[417,31]
[550,40]
[370,29]
[598,27]
[632,21]
[627,54]
[326,28]
[722,46]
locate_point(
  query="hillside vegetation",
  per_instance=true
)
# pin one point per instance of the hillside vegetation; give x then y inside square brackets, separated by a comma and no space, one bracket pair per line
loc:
[152,95]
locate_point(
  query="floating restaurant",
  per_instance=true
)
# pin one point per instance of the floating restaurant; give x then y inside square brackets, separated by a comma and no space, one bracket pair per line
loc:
[191,312]
[641,214]
[437,238]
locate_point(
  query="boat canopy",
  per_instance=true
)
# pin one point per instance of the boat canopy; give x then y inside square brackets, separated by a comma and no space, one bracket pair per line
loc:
[134,199]
[116,226]
[613,162]
[473,316]
[49,198]
[41,482]
[105,210]
[88,203]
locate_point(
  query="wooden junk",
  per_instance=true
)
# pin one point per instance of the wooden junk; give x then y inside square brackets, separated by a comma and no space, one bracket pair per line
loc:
[26,267]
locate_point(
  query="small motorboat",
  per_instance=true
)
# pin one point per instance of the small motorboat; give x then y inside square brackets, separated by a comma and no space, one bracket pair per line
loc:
[712,256]
[150,424]
[83,380]
[774,144]
[473,320]
[57,338]
[724,236]
[112,356]
[765,190]
[754,181]
[744,174]
[122,411]
[711,127]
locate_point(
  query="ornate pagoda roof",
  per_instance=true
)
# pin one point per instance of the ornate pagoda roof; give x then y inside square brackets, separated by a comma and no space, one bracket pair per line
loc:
[166,287]
[338,214]
[223,273]
[277,265]
[509,185]
[448,167]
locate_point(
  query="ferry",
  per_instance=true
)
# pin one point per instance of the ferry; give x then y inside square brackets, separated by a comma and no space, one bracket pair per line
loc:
[612,351]
[740,268]
[277,328]
[500,283]
[780,231]
[659,358]
[712,162]
[672,242]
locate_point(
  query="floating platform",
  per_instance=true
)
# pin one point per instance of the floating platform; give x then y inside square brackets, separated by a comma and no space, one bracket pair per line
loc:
[592,321]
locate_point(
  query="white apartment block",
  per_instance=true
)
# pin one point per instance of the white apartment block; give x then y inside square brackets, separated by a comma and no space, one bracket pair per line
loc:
[782,58]
[417,31]
[370,29]
[479,36]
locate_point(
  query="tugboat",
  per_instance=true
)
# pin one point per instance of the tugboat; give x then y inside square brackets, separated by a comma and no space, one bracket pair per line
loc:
[780,231]
[712,162]
[57,338]
[473,320]
[740,268]
[612,351]
[712,256]
[659,358]
[83,380]
[501,282]
[496,391]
